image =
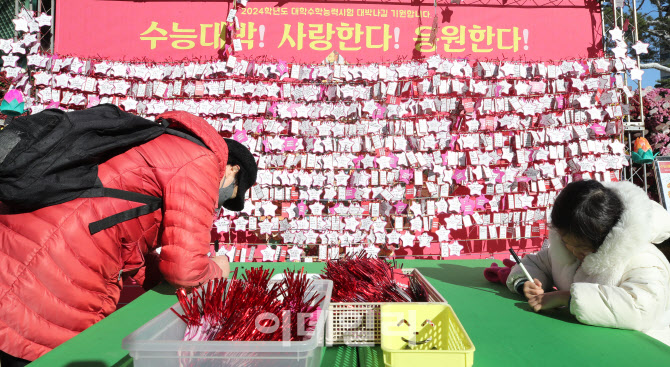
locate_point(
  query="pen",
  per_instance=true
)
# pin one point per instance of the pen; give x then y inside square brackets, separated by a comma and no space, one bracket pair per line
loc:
[518,261]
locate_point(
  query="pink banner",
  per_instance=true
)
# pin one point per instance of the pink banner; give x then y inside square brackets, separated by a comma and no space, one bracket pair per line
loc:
[309,32]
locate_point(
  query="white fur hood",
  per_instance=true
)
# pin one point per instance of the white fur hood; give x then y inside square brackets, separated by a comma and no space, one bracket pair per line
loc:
[642,223]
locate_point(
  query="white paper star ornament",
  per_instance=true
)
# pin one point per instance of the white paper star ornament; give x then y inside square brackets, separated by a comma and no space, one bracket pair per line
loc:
[20,25]
[616,34]
[268,254]
[407,239]
[393,237]
[636,74]
[640,47]
[294,253]
[43,20]
[443,234]
[603,64]
[425,239]
[619,51]
[129,104]
[505,86]
[455,249]
[269,208]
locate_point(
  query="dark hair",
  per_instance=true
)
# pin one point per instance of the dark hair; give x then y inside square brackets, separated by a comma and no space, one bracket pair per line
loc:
[232,161]
[588,210]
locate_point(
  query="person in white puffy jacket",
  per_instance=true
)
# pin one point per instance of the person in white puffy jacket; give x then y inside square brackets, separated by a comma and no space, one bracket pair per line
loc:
[603,259]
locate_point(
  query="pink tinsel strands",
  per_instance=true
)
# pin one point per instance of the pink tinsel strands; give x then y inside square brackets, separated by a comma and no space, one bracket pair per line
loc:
[358,278]
[251,308]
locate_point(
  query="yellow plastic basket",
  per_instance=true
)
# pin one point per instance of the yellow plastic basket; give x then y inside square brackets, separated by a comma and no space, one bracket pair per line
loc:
[424,334]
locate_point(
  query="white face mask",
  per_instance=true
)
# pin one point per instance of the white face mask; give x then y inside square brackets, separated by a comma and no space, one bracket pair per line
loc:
[226,193]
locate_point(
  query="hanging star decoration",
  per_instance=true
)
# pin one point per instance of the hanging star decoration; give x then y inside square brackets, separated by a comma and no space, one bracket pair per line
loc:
[443,234]
[129,104]
[393,160]
[17,48]
[508,69]
[434,61]
[636,74]
[302,111]
[265,227]
[425,239]
[43,20]
[268,254]
[619,51]
[480,202]
[453,221]
[577,84]
[368,161]
[629,62]
[383,162]
[372,251]
[370,106]
[640,47]
[407,239]
[459,175]
[400,207]
[504,86]
[393,237]
[351,223]
[476,188]
[406,175]
[617,147]
[341,209]
[616,33]
[455,249]
[291,211]
[42,78]
[269,208]
[596,114]
[585,100]
[454,205]
[240,223]
[481,87]
[20,25]
[295,253]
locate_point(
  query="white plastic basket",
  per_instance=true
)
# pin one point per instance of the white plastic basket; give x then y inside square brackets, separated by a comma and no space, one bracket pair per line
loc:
[159,343]
[359,323]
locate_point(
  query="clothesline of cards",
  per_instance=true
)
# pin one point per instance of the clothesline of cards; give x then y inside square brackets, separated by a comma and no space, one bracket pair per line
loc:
[70,84]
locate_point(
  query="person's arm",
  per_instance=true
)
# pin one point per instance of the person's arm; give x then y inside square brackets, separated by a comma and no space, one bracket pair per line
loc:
[635,304]
[188,203]
[538,266]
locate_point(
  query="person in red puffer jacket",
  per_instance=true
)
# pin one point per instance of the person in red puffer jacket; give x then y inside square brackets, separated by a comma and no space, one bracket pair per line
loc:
[58,279]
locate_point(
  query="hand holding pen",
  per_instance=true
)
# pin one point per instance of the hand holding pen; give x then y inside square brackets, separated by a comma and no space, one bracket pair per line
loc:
[531,288]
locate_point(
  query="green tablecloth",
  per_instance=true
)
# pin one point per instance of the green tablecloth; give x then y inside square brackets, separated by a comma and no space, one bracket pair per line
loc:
[503,329]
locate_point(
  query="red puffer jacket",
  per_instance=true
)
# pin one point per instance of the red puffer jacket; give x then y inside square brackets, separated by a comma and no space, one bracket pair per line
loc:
[57,279]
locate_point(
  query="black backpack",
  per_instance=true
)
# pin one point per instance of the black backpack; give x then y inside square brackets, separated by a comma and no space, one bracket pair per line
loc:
[52,157]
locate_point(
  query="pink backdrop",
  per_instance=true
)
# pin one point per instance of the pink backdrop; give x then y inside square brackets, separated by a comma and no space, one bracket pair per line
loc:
[308,32]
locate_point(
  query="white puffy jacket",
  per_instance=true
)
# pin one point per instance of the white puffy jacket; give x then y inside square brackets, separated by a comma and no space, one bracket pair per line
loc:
[626,283]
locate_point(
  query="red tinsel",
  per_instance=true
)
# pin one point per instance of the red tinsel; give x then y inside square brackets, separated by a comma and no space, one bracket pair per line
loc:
[250,309]
[357,278]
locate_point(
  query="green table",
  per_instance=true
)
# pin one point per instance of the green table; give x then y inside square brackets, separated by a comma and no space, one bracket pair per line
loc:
[503,329]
